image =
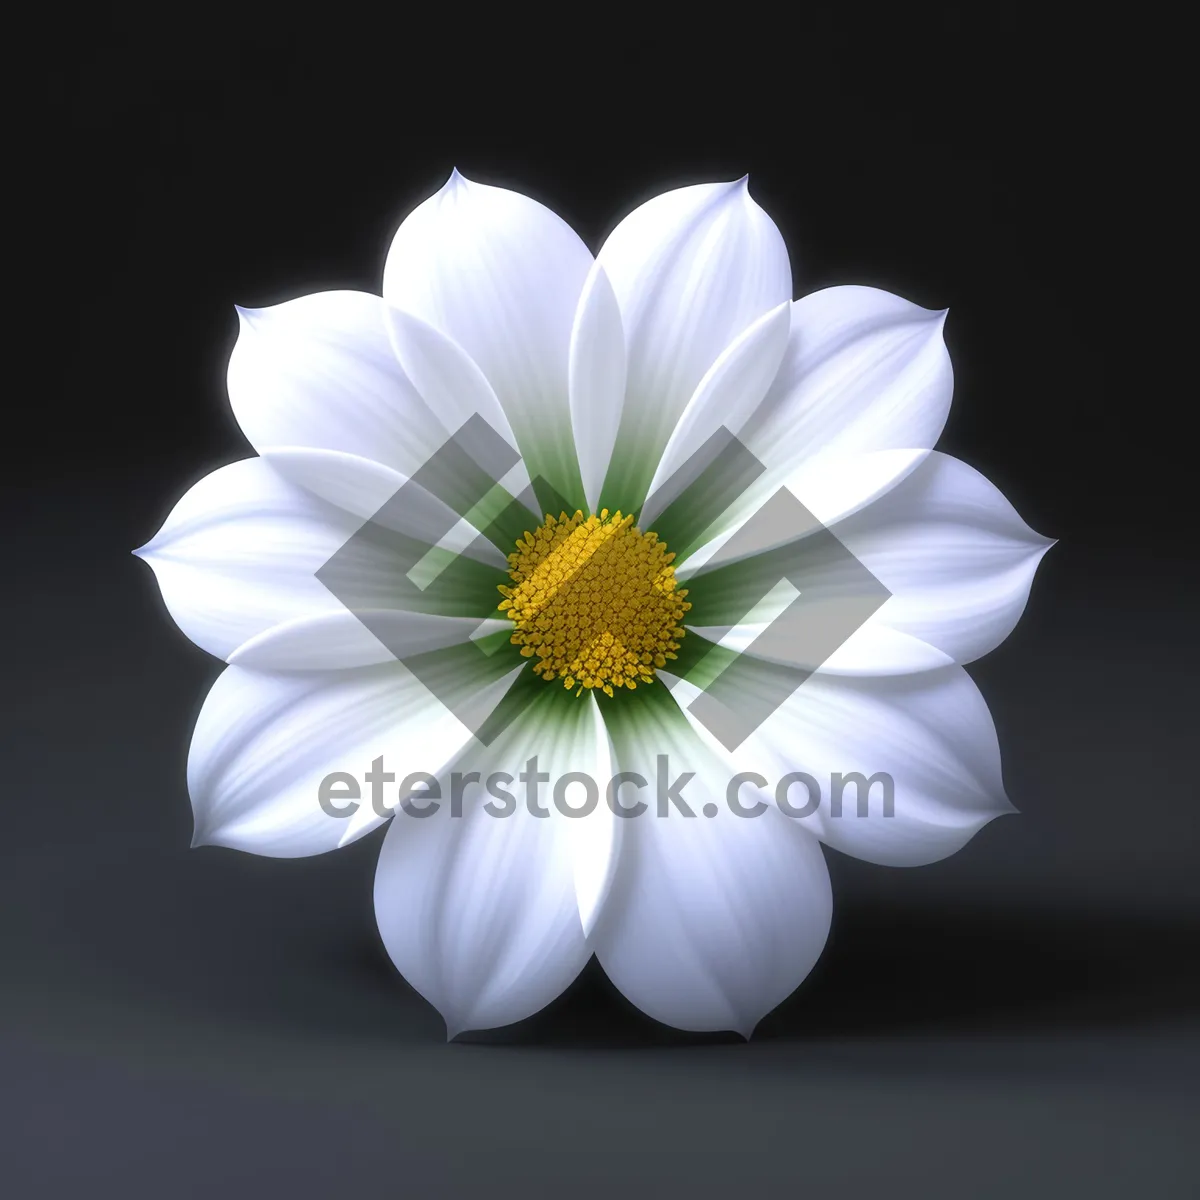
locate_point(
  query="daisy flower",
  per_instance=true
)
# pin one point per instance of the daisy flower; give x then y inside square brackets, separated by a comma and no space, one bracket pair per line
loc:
[508,656]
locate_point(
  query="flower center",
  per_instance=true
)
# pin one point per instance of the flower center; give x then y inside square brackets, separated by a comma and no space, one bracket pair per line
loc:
[595,601]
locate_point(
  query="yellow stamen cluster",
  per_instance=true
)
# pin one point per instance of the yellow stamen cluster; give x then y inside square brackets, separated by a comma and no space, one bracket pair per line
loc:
[595,600]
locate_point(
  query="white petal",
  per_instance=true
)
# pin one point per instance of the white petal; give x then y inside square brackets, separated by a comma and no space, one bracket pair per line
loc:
[873,649]
[591,841]
[834,488]
[381,495]
[829,489]
[238,555]
[448,379]
[864,370]
[597,380]
[320,373]
[931,733]
[335,640]
[731,390]
[237,561]
[712,920]
[318,388]
[501,275]
[864,385]
[481,913]
[953,552]
[265,741]
[357,485]
[691,269]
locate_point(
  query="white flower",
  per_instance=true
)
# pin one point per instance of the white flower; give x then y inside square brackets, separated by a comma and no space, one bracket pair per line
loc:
[608,374]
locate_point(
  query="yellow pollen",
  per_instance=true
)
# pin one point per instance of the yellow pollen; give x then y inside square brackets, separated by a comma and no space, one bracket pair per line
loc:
[594,601]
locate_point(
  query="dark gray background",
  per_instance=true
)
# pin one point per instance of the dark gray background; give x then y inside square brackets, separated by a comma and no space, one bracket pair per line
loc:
[1018,1020]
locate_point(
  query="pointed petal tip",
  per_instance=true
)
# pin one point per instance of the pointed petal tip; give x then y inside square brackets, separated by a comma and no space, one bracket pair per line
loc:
[1038,545]
[206,833]
[1002,807]
[734,189]
[247,316]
